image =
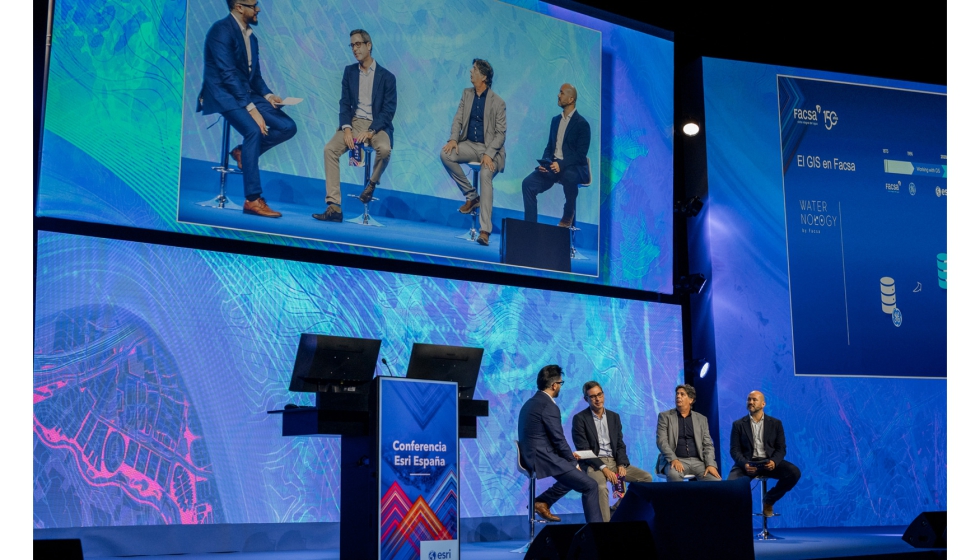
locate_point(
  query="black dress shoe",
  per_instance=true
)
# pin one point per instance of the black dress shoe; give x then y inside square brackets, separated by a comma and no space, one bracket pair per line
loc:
[331,214]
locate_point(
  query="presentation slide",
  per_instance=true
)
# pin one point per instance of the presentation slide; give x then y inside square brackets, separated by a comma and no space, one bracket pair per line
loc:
[864,181]
[154,367]
[400,130]
[805,218]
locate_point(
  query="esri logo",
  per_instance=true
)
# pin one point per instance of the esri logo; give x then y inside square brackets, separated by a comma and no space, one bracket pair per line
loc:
[912,189]
[940,192]
[432,555]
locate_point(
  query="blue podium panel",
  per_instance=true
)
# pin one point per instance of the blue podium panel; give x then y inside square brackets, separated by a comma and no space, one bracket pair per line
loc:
[418,470]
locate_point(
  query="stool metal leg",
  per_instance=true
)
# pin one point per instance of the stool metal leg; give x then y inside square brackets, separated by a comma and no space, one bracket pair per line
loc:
[531,521]
[576,256]
[474,214]
[365,219]
[765,535]
[222,201]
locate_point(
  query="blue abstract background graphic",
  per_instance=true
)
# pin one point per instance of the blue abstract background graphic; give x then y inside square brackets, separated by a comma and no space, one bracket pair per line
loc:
[116,107]
[212,339]
[872,451]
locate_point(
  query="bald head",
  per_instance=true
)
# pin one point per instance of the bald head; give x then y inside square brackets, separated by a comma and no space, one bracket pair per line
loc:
[567,96]
[755,402]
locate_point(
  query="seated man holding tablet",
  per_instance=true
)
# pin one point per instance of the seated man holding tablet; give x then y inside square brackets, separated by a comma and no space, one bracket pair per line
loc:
[565,159]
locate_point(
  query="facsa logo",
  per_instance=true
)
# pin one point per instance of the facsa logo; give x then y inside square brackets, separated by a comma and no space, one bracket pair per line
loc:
[813,116]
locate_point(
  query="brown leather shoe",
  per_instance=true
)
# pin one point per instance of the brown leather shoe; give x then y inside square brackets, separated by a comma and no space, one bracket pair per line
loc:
[331,214]
[237,155]
[544,512]
[566,221]
[368,193]
[258,207]
[470,205]
[484,238]
[767,510]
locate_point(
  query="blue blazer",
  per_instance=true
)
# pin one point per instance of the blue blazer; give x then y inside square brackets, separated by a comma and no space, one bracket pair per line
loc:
[384,99]
[575,145]
[228,84]
[541,438]
[585,436]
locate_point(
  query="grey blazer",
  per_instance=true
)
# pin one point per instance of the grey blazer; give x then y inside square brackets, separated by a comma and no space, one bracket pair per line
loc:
[667,439]
[494,124]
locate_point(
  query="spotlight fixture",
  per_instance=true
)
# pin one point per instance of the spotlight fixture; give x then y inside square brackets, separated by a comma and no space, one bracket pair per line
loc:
[690,284]
[701,367]
[691,128]
[690,207]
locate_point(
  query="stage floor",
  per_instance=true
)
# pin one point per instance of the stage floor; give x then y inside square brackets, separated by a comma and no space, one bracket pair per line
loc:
[795,544]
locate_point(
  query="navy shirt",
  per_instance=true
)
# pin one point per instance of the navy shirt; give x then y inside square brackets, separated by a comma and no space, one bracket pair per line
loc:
[686,446]
[474,131]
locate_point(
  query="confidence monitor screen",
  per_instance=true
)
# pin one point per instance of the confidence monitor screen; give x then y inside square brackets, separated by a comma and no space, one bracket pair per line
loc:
[140,94]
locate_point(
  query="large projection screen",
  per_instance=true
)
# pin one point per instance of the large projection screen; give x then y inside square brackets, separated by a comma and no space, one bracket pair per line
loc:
[124,143]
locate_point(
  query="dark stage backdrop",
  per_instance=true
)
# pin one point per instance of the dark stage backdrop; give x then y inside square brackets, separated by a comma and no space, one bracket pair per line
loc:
[124,145]
[154,367]
[816,271]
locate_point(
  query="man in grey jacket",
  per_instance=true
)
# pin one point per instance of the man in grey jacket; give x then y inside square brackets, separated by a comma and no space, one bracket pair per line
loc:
[478,134]
[684,441]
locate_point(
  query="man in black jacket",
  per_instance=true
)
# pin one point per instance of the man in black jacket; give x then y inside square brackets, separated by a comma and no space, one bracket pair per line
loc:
[601,431]
[567,150]
[758,447]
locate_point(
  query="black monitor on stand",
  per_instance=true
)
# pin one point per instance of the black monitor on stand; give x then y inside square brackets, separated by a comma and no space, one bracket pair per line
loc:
[333,364]
[446,363]
[452,363]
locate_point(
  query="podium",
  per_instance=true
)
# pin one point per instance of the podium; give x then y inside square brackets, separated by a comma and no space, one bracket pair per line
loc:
[399,457]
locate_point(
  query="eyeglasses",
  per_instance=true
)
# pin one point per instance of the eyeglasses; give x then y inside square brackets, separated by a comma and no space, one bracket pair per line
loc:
[253,6]
[595,396]
[358,44]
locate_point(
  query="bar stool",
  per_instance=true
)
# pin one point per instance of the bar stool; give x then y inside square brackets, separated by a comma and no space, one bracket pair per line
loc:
[365,219]
[765,535]
[522,467]
[222,201]
[576,256]
[474,232]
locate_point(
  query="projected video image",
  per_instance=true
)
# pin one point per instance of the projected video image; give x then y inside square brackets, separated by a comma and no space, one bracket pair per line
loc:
[416,137]
[392,170]
[154,368]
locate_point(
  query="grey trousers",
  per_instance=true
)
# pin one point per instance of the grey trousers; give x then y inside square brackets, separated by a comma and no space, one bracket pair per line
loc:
[633,474]
[692,465]
[472,151]
[336,148]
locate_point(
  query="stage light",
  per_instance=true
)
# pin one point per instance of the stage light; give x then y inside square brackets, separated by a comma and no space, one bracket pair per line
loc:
[691,128]
[701,367]
[690,284]
[690,207]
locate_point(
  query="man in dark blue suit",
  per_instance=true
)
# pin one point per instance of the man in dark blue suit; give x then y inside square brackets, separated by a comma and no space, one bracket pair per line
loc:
[758,447]
[543,444]
[368,99]
[567,150]
[233,86]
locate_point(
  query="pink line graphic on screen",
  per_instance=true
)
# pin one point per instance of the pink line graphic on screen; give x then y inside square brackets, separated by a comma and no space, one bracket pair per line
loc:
[110,406]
